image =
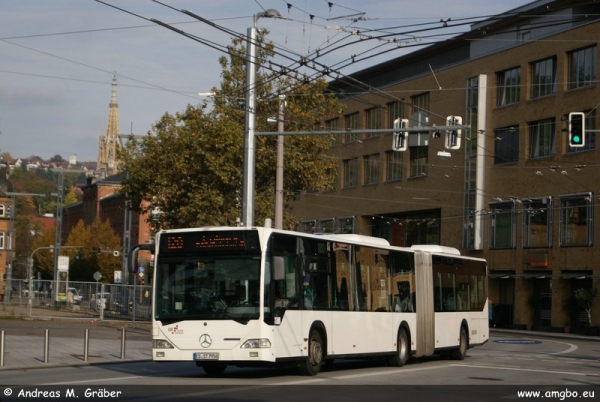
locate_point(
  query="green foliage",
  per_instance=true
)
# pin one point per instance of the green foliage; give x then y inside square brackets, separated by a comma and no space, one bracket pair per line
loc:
[85,260]
[189,167]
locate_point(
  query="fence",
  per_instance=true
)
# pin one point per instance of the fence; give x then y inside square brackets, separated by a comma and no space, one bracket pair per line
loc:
[82,300]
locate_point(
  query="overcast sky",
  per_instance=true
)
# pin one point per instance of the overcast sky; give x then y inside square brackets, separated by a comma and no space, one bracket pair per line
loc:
[58,57]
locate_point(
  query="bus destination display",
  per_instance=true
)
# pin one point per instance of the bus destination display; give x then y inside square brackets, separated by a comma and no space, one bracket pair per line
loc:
[214,241]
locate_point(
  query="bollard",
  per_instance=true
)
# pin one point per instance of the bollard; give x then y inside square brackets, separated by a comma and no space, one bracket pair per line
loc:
[1,348]
[122,343]
[46,346]
[86,344]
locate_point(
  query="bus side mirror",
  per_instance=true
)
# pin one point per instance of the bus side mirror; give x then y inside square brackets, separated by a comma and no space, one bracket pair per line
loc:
[133,253]
[278,268]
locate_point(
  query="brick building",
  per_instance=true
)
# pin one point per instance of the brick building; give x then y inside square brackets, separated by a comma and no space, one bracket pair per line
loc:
[101,199]
[515,192]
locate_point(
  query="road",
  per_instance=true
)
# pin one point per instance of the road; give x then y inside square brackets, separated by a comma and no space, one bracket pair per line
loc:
[508,364]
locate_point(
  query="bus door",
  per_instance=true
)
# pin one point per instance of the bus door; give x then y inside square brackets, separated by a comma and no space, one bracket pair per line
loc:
[425,339]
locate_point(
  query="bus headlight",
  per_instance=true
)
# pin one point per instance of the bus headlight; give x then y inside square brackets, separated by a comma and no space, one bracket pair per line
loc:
[262,343]
[161,344]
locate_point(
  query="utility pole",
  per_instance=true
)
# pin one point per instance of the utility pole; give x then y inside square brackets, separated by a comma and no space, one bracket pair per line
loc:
[58,236]
[279,170]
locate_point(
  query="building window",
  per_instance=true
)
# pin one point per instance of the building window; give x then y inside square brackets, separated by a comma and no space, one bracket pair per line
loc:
[2,245]
[395,110]
[582,67]
[541,138]
[351,123]
[506,145]
[308,226]
[543,78]
[502,225]
[333,125]
[576,217]
[537,222]
[393,165]
[371,169]
[346,225]
[420,103]
[327,225]
[2,210]
[509,82]
[373,121]
[351,172]
[418,161]
[590,138]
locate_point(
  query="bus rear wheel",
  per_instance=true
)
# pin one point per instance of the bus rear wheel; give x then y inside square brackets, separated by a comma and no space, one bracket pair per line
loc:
[461,352]
[401,356]
[312,365]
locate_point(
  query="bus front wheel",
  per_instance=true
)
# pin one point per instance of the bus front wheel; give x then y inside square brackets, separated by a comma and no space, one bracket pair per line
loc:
[461,351]
[312,365]
[401,357]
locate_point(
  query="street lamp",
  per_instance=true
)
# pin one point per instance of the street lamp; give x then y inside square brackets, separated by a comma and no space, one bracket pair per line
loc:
[250,122]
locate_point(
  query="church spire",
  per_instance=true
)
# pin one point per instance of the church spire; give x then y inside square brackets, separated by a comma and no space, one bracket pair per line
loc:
[107,163]
[113,113]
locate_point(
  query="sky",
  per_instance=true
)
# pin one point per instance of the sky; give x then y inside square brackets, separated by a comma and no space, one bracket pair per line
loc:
[58,57]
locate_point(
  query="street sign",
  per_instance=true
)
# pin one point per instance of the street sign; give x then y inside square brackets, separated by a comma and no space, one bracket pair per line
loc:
[63,263]
[97,276]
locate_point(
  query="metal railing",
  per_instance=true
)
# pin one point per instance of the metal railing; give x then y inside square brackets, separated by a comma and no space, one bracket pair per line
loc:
[81,300]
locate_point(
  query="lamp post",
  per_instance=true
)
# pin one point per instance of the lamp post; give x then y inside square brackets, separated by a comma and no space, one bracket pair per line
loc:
[250,121]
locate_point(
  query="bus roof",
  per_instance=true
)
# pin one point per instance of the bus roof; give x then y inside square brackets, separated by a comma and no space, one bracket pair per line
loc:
[434,248]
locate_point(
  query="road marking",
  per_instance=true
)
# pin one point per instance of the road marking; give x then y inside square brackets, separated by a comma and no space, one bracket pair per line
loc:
[528,370]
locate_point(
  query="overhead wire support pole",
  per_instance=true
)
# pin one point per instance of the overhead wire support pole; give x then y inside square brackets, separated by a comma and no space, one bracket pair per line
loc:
[58,236]
[250,122]
[279,169]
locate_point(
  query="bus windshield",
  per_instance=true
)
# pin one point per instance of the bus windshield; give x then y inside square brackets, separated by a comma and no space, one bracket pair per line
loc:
[207,287]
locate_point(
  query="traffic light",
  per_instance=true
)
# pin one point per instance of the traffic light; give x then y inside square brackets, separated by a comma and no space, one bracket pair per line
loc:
[400,140]
[576,129]
[453,136]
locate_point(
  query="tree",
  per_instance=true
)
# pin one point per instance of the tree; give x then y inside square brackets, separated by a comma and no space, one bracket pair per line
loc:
[585,298]
[189,167]
[44,259]
[85,259]
[70,197]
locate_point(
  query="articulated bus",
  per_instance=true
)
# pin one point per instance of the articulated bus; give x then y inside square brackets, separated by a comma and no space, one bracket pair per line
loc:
[258,296]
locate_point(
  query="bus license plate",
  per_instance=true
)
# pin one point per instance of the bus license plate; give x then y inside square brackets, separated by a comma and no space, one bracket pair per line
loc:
[206,356]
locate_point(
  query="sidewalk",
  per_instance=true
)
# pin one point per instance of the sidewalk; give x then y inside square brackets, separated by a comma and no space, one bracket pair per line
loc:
[25,341]
[28,352]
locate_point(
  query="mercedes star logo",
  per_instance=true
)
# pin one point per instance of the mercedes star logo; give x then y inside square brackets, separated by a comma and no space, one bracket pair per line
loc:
[205,340]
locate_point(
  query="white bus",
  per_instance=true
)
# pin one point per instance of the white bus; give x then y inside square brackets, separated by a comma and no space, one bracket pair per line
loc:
[259,296]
